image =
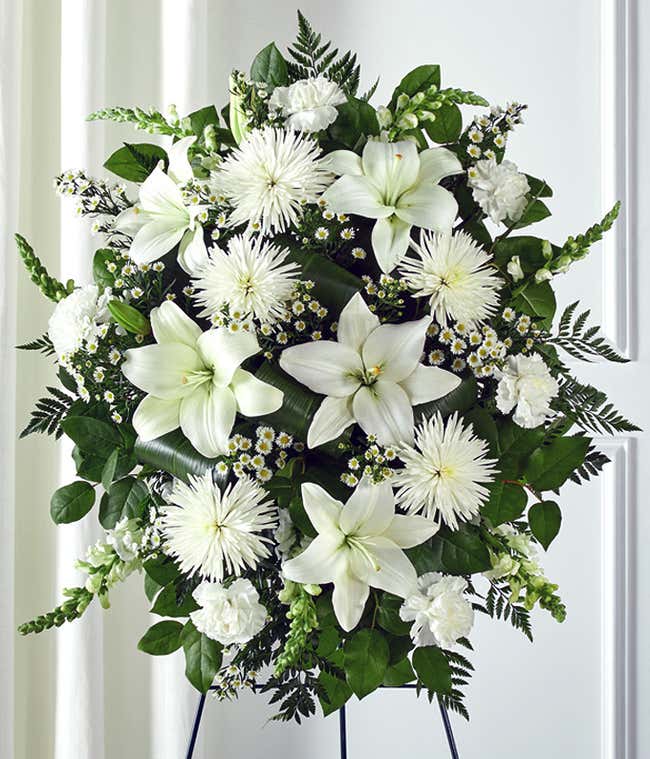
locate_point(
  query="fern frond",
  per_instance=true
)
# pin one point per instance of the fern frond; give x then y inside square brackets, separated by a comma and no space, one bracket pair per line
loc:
[43,344]
[48,413]
[591,467]
[590,409]
[582,342]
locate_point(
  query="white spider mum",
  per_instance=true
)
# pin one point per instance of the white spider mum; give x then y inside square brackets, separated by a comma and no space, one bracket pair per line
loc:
[214,533]
[444,475]
[456,275]
[252,279]
[270,176]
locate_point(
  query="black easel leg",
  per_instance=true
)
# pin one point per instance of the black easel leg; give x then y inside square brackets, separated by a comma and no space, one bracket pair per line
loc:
[343,733]
[195,727]
[450,735]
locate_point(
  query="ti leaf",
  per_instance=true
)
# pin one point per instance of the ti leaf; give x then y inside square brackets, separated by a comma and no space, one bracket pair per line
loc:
[173,453]
[125,498]
[270,67]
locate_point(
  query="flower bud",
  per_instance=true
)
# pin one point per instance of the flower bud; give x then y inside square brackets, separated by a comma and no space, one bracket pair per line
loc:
[402,101]
[547,249]
[408,121]
[543,275]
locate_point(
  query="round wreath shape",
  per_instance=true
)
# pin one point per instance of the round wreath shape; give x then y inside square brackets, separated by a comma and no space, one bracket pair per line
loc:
[316,387]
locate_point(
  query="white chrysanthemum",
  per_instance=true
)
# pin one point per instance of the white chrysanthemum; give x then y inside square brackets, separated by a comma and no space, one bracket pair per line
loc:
[499,189]
[439,611]
[252,279]
[309,104]
[526,385]
[215,533]
[232,615]
[270,175]
[76,319]
[456,275]
[444,475]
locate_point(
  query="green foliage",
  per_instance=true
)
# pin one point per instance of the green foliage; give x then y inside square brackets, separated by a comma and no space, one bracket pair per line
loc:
[92,435]
[455,552]
[589,408]
[72,502]
[168,603]
[356,121]
[580,341]
[498,606]
[151,121]
[545,519]
[460,399]
[447,125]
[42,344]
[536,211]
[536,299]
[550,466]
[135,162]
[125,498]
[49,286]
[129,318]
[77,601]
[419,79]
[365,660]
[312,57]
[172,453]
[514,446]
[270,67]
[48,413]
[162,638]
[388,616]
[432,668]
[506,502]
[336,692]
[591,467]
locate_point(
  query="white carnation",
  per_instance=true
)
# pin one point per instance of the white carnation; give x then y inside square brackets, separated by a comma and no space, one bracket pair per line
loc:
[76,319]
[309,105]
[439,611]
[499,189]
[526,385]
[231,615]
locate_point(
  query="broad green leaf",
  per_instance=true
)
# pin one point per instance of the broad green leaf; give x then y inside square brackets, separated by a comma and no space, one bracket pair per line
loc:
[200,119]
[433,669]
[550,466]
[328,642]
[538,187]
[365,660]
[535,212]
[325,611]
[421,78]
[151,587]
[399,674]
[166,603]
[536,299]
[515,445]
[72,502]
[173,453]
[485,427]
[162,569]
[527,247]
[91,466]
[388,615]
[135,162]
[110,467]
[162,638]
[461,399]
[269,66]
[456,552]
[102,276]
[203,657]
[447,126]
[129,318]
[125,498]
[92,435]
[545,519]
[505,504]
[356,121]
[337,693]
[299,516]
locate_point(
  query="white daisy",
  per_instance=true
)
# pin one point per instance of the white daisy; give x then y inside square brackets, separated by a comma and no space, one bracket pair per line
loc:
[270,175]
[444,472]
[217,534]
[252,279]
[455,274]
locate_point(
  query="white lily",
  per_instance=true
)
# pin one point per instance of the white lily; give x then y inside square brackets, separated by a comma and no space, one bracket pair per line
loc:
[372,375]
[194,381]
[161,219]
[358,546]
[398,186]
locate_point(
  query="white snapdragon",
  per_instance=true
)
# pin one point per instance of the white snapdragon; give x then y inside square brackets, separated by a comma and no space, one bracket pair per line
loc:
[232,615]
[125,539]
[76,320]
[499,189]
[309,105]
[514,269]
[527,386]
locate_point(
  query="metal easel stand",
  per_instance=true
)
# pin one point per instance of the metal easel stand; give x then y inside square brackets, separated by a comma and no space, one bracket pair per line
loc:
[343,732]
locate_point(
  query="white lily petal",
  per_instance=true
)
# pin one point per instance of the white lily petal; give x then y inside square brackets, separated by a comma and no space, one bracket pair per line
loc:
[180,169]
[161,370]
[207,417]
[225,351]
[155,417]
[159,195]
[349,599]
[254,397]
[392,167]
[331,420]
[324,366]
[192,253]
[396,574]
[428,383]
[356,194]
[410,531]
[429,207]
[319,563]
[343,162]
[323,510]
[155,239]
[438,163]
[396,349]
[356,322]
[369,510]
[130,221]
[390,241]
[170,324]
[384,410]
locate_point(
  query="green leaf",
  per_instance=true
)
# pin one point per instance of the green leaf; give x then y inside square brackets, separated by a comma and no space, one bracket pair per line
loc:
[528,248]
[299,516]
[200,119]
[357,120]
[129,318]
[460,399]
[151,587]
[365,660]
[550,466]
[447,126]
[135,162]
[92,435]
[545,519]
[166,604]
[203,657]
[328,642]
[399,674]
[538,187]
[485,427]
[433,669]
[91,466]
[505,504]
[421,78]
[102,276]
[162,638]
[337,693]
[269,66]
[125,498]
[173,453]
[536,299]
[536,211]
[162,569]
[515,445]
[72,502]
[388,615]
[108,472]
[456,552]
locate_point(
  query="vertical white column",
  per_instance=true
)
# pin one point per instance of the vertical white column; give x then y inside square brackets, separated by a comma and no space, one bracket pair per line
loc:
[80,680]
[184,84]
[10,44]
